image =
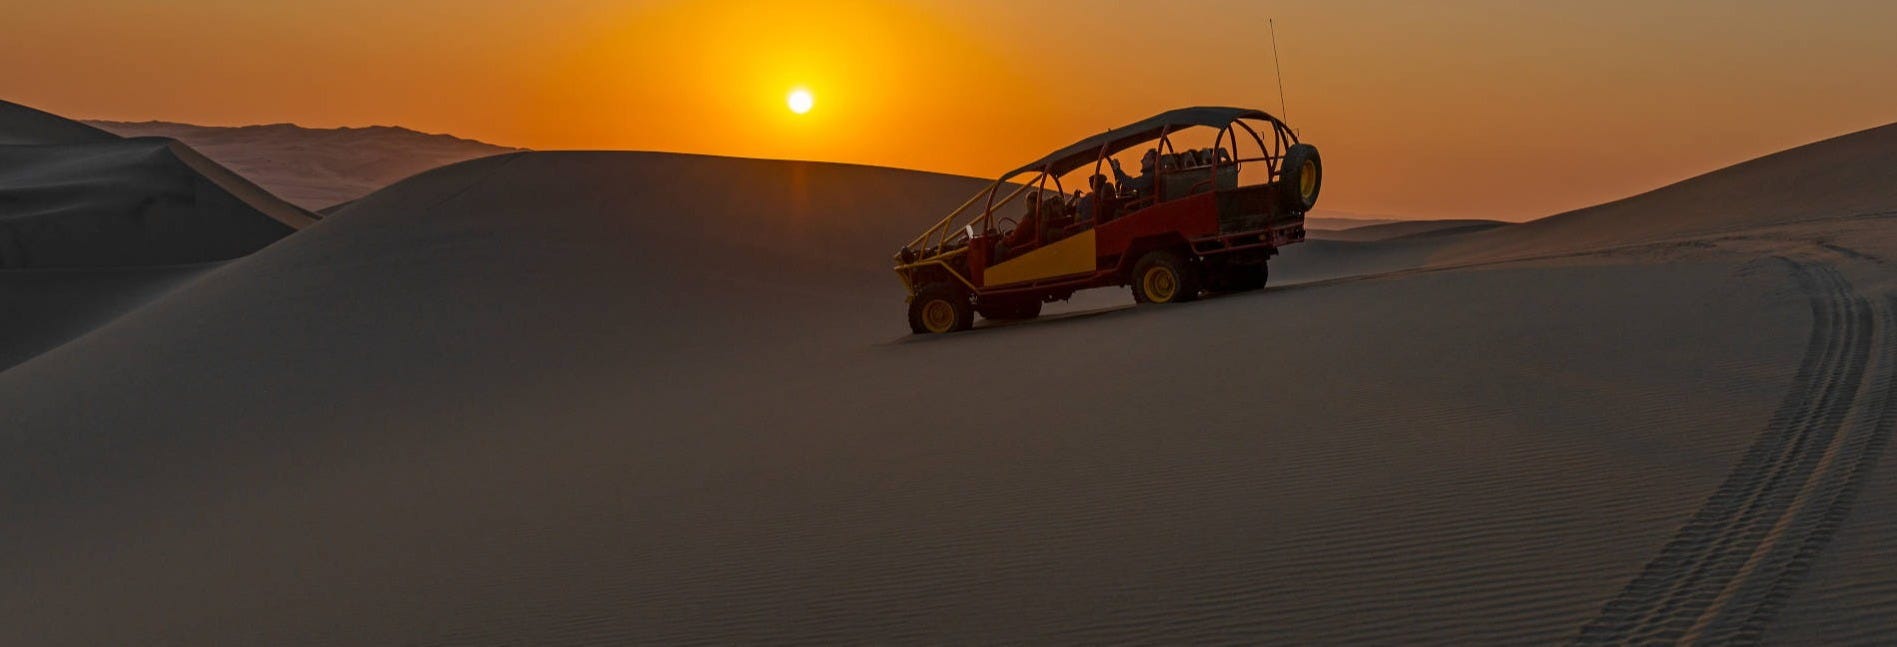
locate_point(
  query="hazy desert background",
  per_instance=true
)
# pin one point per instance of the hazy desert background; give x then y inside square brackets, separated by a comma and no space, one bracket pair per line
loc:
[610,397]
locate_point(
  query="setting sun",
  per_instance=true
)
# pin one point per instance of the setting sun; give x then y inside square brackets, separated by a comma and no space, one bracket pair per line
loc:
[800,101]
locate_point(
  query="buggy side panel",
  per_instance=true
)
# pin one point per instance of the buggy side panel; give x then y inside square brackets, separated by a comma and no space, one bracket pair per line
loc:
[1253,208]
[1072,255]
[1187,218]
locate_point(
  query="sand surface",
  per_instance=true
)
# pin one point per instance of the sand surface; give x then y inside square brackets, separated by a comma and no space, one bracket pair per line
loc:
[601,398]
[1327,220]
[40,309]
[315,168]
[1406,229]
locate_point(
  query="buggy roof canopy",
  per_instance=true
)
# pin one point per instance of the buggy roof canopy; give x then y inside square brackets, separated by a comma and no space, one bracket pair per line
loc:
[1113,141]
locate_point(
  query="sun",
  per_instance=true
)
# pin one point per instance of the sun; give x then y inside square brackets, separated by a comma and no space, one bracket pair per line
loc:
[800,100]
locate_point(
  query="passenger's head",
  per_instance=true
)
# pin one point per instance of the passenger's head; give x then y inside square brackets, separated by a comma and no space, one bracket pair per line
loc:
[1097,181]
[1150,159]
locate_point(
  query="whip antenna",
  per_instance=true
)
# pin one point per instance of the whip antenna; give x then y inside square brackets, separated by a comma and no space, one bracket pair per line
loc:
[1283,112]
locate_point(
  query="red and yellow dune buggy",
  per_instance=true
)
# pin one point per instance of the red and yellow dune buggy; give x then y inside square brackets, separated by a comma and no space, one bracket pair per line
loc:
[1195,219]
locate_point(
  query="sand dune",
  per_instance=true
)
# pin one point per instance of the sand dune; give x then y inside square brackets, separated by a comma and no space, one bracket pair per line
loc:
[40,309]
[1329,220]
[316,168]
[92,225]
[73,196]
[23,126]
[598,398]
[128,202]
[1850,175]
[1390,230]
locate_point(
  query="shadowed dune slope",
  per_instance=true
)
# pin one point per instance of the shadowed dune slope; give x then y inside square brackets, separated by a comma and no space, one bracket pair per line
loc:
[1850,175]
[129,202]
[316,168]
[73,196]
[23,126]
[598,398]
[92,226]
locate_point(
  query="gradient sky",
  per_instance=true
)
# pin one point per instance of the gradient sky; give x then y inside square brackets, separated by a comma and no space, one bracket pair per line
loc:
[1476,108]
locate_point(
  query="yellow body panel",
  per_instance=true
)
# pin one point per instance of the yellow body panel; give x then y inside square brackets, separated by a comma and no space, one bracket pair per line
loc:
[1071,255]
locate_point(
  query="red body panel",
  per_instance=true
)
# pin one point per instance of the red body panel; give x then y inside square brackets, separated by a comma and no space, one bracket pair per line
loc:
[1193,220]
[1191,217]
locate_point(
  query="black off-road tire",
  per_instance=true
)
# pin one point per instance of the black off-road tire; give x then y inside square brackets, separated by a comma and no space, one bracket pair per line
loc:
[1012,310]
[1165,276]
[1246,278]
[940,308]
[1301,178]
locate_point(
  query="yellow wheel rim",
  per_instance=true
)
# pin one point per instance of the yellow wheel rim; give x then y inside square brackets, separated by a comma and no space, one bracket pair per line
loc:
[1160,284]
[938,316]
[1307,180]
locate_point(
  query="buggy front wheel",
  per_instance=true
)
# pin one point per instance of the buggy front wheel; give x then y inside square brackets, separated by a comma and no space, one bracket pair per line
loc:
[940,308]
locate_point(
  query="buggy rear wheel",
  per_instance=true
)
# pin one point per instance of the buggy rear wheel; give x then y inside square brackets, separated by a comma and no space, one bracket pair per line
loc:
[1163,276]
[1244,278]
[940,308]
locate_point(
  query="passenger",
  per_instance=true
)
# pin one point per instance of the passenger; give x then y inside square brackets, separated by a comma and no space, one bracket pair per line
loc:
[1142,185]
[1053,208]
[1088,204]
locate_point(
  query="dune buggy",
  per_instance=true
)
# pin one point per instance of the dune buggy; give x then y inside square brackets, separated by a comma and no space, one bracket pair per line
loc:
[1195,220]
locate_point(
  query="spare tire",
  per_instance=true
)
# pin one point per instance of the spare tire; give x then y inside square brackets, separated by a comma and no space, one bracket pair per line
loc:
[1300,178]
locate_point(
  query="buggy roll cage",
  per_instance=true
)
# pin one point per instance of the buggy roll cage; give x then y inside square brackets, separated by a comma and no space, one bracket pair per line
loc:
[1098,149]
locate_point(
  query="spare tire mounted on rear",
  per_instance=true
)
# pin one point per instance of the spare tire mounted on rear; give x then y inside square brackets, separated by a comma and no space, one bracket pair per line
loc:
[1300,178]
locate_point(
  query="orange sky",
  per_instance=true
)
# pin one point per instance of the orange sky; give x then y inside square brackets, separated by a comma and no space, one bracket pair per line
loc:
[1492,109]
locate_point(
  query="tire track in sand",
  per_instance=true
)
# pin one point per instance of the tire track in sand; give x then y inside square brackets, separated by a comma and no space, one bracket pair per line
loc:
[1731,567]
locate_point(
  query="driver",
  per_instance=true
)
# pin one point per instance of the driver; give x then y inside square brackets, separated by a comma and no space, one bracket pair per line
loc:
[1023,234]
[1142,185]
